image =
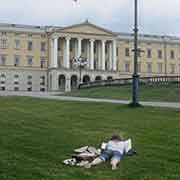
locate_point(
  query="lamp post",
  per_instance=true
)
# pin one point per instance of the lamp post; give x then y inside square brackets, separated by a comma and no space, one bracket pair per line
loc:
[81,63]
[135,86]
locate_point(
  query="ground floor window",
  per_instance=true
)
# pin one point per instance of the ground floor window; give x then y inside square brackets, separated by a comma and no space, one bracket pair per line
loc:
[2,82]
[16,88]
[29,89]
[42,89]
[3,88]
[16,82]
[109,78]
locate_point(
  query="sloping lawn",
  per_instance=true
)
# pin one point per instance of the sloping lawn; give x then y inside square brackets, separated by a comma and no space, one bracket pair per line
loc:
[170,93]
[37,135]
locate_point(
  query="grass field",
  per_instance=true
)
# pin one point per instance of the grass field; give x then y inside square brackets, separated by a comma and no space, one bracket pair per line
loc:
[37,135]
[170,93]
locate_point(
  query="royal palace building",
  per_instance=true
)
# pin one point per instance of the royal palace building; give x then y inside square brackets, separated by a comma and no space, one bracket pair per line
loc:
[36,58]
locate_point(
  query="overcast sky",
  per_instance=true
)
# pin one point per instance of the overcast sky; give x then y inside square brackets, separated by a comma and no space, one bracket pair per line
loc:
[155,16]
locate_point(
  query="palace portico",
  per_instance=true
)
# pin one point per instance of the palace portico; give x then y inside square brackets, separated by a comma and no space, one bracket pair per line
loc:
[85,40]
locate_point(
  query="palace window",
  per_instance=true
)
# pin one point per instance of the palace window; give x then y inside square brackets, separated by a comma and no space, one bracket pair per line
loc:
[43,62]
[149,53]
[16,88]
[172,68]
[127,52]
[2,79]
[29,77]
[3,33]
[29,80]
[2,88]
[29,89]
[16,82]
[42,80]
[2,60]
[16,60]
[16,79]
[30,45]
[30,35]
[43,36]
[42,89]
[43,46]
[2,76]
[17,34]
[3,43]
[127,67]
[17,44]
[149,68]
[172,54]
[16,76]
[30,61]
[160,67]
[160,54]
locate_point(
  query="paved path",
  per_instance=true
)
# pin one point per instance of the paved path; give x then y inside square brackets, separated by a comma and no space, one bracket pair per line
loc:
[48,95]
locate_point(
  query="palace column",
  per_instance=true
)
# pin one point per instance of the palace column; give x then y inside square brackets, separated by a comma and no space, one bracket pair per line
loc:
[91,54]
[103,55]
[67,53]
[99,50]
[76,48]
[114,56]
[88,53]
[110,56]
[54,52]
[79,46]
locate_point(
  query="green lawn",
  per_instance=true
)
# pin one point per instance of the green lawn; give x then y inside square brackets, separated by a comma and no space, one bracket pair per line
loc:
[37,135]
[170,93]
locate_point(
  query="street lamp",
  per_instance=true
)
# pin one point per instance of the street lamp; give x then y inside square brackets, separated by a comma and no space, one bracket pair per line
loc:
[81,63]
[135,86]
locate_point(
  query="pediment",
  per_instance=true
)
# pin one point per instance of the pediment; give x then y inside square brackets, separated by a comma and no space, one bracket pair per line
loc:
[87,28]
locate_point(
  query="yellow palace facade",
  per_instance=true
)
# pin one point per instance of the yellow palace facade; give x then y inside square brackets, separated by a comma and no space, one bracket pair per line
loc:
[42,58]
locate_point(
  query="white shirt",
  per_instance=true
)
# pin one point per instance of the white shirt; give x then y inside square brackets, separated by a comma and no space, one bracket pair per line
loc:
[116,146]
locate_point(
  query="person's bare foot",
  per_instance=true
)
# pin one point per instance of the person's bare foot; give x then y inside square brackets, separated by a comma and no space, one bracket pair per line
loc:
[87,166]
[114,167]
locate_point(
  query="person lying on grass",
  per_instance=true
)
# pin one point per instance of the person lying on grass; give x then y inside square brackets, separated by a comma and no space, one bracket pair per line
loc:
[114,151]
